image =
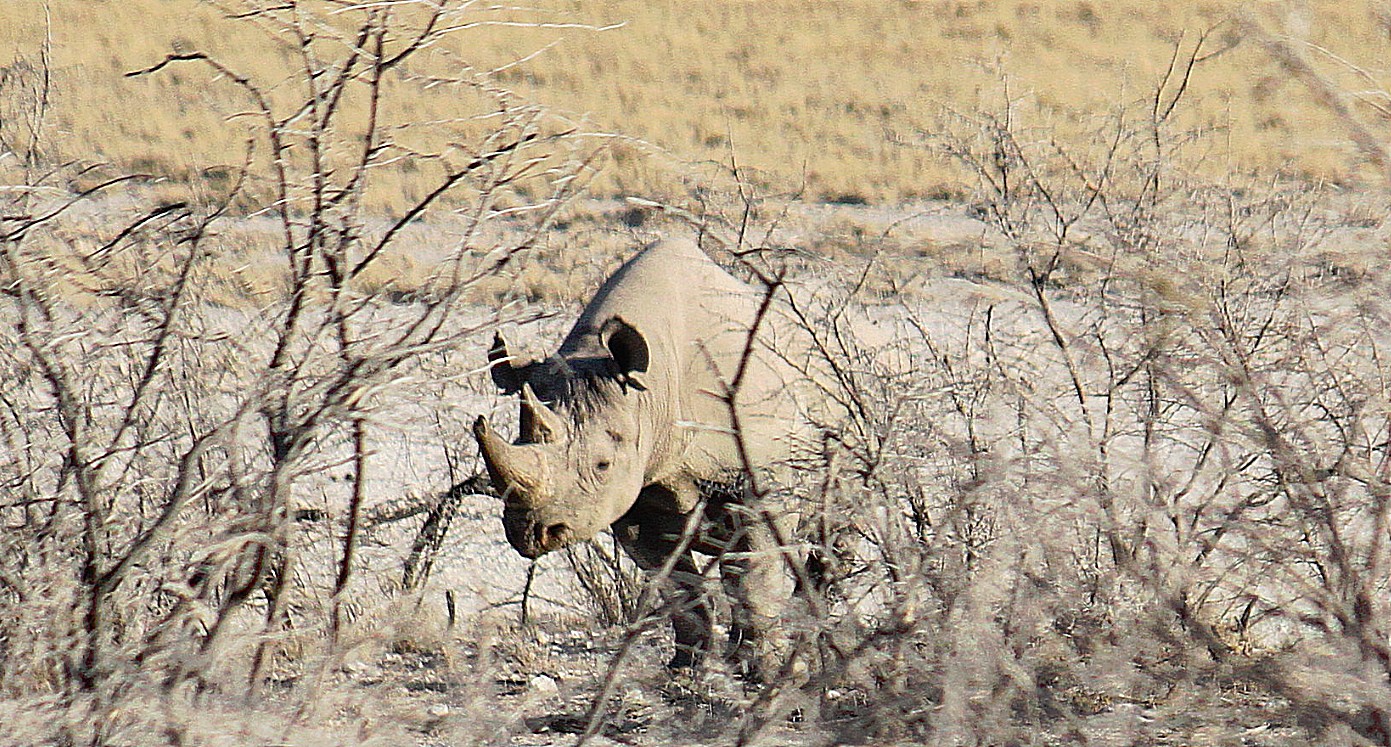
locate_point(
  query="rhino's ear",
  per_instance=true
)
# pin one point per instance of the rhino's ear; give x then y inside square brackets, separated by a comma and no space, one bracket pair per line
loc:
[508,377]
[628,348]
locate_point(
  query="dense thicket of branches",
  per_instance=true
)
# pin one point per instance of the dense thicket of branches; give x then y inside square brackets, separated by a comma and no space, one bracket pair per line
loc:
[1121,471]
[160,440]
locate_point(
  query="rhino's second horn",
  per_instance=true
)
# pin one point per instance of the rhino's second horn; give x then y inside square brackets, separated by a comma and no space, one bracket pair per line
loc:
[539,423]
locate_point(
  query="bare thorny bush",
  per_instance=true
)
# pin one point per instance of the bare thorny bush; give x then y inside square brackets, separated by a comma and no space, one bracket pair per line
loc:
[1135,483]
[1174,430]
[1137,480]
[158,445]
[1162,457]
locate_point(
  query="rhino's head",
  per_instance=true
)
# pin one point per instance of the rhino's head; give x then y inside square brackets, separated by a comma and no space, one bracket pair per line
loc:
[579,461]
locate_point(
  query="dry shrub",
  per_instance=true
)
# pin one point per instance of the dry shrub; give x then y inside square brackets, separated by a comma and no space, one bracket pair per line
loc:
[199,407]
[1139,488]
[1123,480]
[1130,489]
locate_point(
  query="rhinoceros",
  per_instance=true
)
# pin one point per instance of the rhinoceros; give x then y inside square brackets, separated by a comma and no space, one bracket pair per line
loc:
[637,422]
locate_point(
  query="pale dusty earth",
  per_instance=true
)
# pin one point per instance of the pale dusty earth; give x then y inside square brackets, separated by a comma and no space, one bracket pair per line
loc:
[485,573]
[543,692]
[483,679]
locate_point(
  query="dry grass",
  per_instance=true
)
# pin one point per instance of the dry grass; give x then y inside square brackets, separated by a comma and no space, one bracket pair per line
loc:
[830,99]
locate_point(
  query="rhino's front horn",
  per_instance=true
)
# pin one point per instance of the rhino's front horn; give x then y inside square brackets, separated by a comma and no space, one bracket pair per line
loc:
[517,471]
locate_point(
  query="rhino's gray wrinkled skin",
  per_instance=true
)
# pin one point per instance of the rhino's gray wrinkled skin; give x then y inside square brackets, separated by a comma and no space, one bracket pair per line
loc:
[629,422]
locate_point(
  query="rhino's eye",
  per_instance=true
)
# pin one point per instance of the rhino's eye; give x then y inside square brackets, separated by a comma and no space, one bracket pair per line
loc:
[603,465]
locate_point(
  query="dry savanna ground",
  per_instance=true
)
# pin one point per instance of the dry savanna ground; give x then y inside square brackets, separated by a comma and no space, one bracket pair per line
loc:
[1101,287]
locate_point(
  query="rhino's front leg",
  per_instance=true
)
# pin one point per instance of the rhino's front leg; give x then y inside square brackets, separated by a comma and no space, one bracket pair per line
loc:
[755,578]
[650,533]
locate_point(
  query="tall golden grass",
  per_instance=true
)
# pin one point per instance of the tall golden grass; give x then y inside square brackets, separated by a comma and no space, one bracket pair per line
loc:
[831,99]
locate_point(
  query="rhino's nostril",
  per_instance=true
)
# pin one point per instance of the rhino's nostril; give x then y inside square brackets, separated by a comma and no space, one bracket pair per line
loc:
[554,536]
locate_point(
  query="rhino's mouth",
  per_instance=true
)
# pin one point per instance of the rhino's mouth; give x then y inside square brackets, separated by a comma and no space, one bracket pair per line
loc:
[532,537]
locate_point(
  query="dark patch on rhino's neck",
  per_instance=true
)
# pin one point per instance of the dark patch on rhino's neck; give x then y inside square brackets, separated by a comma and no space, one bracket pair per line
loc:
[577,386]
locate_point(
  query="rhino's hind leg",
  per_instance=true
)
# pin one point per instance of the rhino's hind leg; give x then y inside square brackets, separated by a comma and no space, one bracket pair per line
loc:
[650,535]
